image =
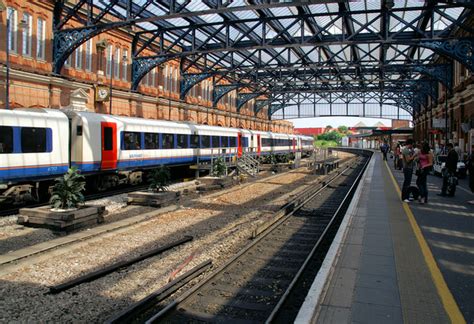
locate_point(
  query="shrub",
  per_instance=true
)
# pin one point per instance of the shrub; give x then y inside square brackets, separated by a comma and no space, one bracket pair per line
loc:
[219,167]
[67,192]
[160,178]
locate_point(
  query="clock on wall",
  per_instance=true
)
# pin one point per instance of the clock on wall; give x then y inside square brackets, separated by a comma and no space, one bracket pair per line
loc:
[102,93]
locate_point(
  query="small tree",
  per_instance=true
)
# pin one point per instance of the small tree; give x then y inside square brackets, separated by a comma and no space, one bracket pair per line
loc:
[219,167]
[67,192]
[160,178]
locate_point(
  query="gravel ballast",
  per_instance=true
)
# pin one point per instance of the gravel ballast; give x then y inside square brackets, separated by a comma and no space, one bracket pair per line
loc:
[221,224]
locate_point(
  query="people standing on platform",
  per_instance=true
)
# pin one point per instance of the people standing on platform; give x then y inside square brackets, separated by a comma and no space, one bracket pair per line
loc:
[425,164]
[449,172]
[396,158]
[408,164]
[470,169]
[384,149]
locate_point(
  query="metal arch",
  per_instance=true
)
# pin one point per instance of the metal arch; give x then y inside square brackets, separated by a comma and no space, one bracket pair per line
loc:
[143,65]
[260,104]
[188,81]
[243,98]
[461,50]
[221,90]
[65,42]
[413,33]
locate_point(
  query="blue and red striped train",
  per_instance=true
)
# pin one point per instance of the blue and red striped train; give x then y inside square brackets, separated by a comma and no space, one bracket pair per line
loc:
[38,145]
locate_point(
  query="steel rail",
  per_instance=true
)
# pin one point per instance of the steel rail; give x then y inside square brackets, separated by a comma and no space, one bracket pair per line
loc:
[264,234]
[317,245]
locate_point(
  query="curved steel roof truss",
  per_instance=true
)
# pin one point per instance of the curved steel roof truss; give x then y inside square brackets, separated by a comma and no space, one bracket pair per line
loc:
[324,51]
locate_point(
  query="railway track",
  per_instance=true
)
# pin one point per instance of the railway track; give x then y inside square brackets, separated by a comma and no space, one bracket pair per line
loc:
[255,285]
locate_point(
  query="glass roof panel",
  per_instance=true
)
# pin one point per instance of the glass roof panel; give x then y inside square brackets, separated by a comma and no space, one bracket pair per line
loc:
[400,4]
[318,8]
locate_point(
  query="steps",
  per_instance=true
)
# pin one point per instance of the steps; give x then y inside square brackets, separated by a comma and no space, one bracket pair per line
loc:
[248,164]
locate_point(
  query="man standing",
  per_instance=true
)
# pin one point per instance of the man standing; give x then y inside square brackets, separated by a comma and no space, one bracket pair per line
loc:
[408,163]
[449,170]
[384,149]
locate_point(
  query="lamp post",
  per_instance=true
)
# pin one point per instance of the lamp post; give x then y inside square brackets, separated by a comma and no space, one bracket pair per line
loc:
[23,24]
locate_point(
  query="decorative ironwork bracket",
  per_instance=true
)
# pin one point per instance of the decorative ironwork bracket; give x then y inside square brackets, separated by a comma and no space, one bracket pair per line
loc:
[221,90]
[259,104]
[443,73]
[461,49]
[242,98]
[142,65]
[274,108]
[188,81]
[66,41]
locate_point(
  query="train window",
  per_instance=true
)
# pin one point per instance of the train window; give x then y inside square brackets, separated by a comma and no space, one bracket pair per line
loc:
[194,141]
[232,141]
[33,140]
[6,139]
[215,141]
[182,141]
[152,141]
[225,141]
[245,142]
[205,141]
[167,141]
[131,140]
[108,140]
[79,130]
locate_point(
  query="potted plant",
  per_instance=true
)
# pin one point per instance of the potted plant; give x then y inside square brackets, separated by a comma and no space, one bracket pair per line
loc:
[219,167]
[67,192]
[157,194]
[64,214]
[160,179]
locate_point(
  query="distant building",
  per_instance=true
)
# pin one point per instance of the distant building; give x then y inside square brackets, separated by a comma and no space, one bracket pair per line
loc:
[310,131]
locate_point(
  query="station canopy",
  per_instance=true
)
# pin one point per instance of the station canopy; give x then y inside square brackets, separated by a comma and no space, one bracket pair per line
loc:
[295,58]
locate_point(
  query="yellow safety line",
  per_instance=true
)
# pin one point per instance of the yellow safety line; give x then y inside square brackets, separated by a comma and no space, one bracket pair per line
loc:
[444,293]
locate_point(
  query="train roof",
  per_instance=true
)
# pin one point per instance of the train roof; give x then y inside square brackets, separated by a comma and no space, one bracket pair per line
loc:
[91,116]
[34,112]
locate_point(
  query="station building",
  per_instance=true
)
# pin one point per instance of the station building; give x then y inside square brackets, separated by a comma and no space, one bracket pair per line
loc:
[84,81]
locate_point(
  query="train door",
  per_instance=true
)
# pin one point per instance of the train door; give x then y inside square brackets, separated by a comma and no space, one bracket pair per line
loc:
[294,145]
[258,145]
[239,144]
[109,146]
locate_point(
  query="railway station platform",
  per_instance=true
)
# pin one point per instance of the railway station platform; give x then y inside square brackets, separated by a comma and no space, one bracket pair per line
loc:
[396,262]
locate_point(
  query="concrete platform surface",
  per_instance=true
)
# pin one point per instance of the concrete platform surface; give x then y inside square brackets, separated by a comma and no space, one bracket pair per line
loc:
[388,270]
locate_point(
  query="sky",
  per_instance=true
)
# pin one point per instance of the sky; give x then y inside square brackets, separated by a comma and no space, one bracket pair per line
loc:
[337,121]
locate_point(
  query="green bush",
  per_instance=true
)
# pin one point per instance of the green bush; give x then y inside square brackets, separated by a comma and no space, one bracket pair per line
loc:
[67,192]
[219,167]
[160,178]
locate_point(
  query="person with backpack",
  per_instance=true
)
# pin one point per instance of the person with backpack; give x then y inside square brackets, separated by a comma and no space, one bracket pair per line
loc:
[449,173]
[408,164]
[425,164]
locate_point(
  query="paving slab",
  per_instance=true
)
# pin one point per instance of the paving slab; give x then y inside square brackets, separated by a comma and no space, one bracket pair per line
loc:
[380,275]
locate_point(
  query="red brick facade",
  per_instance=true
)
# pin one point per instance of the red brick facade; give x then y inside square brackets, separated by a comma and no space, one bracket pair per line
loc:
[32,83]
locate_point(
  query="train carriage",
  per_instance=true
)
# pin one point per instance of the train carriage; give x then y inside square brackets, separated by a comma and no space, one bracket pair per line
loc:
[38,145]
[32,145]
